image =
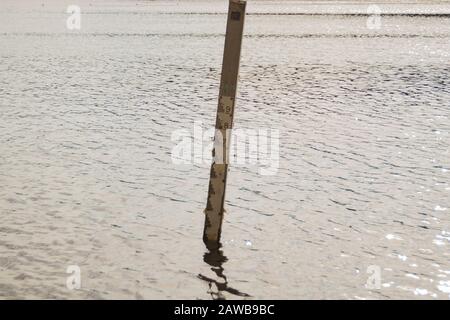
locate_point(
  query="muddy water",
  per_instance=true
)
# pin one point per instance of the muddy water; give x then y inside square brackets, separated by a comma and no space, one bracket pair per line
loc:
[87,178]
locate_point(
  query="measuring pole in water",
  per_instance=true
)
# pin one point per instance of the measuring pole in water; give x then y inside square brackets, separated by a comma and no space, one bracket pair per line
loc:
[224,122]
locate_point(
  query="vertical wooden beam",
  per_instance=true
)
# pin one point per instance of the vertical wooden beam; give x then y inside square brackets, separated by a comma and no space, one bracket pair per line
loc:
[224,122]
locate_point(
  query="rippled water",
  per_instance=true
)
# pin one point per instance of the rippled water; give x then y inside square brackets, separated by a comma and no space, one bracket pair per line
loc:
[86,176]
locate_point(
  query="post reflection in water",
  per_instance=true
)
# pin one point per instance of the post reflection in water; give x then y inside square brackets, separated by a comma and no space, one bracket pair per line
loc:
[215,258]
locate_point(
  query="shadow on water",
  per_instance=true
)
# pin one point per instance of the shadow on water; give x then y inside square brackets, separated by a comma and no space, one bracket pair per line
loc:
[215,258]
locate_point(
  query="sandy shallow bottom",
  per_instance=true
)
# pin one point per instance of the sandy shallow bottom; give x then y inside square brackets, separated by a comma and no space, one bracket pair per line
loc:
[87,179]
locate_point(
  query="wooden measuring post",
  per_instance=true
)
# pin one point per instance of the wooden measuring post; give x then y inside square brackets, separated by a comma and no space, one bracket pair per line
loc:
[224,122]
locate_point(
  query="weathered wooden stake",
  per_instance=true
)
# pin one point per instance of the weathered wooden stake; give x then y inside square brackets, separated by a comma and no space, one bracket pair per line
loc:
[224,122]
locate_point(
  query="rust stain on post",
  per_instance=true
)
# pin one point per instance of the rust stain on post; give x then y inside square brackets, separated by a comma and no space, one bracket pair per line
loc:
[224,121]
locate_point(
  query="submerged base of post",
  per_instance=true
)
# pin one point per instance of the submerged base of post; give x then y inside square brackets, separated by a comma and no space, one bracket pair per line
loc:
[214,207]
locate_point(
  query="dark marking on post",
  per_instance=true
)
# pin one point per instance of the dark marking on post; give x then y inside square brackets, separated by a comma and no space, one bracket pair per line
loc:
[236,15]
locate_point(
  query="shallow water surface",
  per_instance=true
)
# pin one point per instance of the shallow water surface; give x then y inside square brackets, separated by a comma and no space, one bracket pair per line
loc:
[87,179]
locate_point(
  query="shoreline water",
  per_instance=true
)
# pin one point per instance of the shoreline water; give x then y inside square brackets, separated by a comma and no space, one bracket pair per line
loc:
[86,176]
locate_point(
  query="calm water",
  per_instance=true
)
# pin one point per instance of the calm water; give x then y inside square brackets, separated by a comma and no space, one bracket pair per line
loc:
[86,176]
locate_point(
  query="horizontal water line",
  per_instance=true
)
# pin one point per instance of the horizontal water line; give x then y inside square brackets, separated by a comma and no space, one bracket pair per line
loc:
[212,35]
[337,14]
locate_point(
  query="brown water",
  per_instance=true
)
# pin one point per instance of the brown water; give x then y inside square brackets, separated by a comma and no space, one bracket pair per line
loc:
[86,176]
